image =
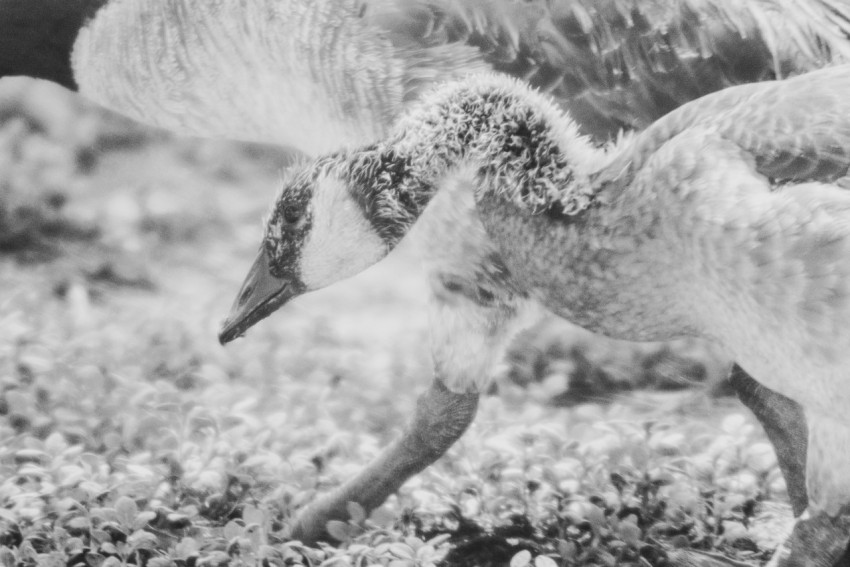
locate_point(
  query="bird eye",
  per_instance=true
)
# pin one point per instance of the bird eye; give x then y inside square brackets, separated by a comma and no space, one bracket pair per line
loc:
[291,214]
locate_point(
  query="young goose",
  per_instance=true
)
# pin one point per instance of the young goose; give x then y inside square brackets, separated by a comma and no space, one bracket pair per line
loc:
[725,220]
[319,74]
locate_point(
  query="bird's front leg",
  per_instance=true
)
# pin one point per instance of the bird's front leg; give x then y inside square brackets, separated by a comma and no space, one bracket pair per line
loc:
[466,339]
[441,418]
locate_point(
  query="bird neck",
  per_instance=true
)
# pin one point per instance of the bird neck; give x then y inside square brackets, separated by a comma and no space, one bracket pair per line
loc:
[37,37]
[514,140]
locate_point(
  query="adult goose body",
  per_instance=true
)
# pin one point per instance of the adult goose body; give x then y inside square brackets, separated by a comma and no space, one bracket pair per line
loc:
[727,219]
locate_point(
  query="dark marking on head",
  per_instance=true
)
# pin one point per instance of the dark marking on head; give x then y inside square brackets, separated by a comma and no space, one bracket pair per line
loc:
[383,185]
[290,222]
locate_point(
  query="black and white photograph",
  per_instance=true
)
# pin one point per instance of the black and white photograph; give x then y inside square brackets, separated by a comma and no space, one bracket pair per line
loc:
[425,283]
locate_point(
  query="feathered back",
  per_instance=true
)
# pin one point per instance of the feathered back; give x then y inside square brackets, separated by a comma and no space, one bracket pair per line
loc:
[622,64]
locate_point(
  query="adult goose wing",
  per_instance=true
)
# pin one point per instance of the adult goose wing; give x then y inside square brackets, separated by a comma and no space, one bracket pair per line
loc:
[622,64]
[315,75]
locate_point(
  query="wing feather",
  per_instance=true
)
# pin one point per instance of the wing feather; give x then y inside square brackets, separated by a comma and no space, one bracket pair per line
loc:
[795,130]
[621,64]
[318,74]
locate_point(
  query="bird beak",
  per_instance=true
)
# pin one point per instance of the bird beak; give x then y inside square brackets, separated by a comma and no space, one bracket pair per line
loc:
[261,295]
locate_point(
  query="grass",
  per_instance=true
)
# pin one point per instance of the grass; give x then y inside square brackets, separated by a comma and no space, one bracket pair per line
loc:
[129,436]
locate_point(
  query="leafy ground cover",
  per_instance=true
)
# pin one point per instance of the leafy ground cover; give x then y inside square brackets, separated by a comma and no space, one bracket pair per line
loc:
[129,436]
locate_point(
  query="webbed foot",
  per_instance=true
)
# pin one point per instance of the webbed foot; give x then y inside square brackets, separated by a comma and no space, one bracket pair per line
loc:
[819,540]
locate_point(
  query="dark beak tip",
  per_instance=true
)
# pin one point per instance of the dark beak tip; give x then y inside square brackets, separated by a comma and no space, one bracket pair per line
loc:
[228,334]
[261,294]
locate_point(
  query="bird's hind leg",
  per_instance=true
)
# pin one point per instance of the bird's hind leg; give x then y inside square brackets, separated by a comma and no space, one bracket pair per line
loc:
[821,534]
[784,422]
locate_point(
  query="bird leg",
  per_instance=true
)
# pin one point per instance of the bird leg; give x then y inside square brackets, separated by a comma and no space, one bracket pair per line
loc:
[819,540]
[441,418]
[821,534]
[784,422]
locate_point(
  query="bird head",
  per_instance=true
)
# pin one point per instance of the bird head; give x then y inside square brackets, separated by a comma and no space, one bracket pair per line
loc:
[318,233]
